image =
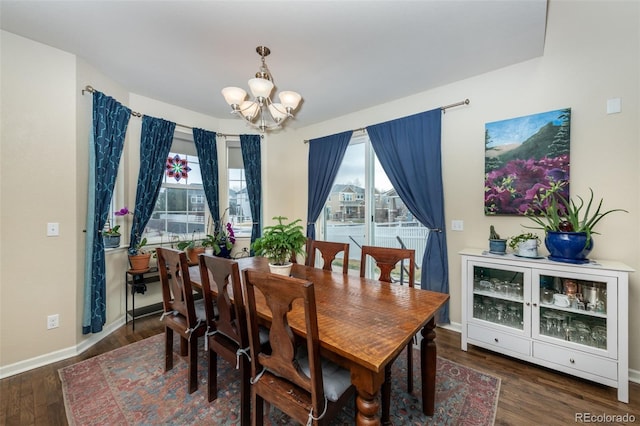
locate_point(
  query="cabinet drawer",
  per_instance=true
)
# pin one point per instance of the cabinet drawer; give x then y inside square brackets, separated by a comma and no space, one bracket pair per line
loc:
[577,360]
[499,340]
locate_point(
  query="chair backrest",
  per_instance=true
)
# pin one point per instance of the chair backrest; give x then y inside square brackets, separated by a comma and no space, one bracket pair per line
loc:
[219,274]
[328,250]
[386,259]
[279,293]
[177,293]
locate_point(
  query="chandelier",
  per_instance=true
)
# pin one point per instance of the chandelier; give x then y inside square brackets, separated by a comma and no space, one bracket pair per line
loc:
[255,111]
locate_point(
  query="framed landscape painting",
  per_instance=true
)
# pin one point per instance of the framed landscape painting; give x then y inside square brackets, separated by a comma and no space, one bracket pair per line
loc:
[526,158]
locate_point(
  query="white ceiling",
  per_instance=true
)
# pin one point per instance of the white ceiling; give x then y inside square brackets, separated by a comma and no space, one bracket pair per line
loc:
[342,56]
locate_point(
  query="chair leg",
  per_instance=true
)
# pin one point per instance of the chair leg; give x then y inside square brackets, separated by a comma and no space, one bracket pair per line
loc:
[385,395]
[257,416]
[193,365]
[245,392]
[410,367]
[184,346]
[168,349]
[212,377]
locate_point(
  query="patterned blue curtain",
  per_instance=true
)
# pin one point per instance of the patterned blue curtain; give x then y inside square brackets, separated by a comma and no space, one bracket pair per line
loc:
[325,158]
[410,154]
[208,156]
[155,142]
[250,146]
[110,120]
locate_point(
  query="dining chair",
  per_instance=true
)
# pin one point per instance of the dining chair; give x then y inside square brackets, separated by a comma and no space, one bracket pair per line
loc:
[181,314]
[292,377]
[227,333]
[328,250]
[387,259]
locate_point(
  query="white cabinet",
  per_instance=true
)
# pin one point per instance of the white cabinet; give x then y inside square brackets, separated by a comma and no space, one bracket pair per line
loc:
[571,318]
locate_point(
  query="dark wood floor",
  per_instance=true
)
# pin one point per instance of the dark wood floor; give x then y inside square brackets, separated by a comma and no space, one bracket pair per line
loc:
[529,395]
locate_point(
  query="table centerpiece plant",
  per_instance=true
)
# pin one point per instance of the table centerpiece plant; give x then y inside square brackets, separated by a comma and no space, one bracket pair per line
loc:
[568,224]
[279,243]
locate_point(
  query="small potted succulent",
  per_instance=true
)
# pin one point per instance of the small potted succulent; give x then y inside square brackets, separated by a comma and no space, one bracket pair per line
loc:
[525,244]
[568,225]
[497,245]
[279,243]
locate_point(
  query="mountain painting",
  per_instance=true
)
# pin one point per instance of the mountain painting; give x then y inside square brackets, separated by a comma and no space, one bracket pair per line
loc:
[526,159]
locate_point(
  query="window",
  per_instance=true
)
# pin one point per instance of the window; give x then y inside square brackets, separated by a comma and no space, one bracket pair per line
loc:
[181,211]
[239,213]
[368,210]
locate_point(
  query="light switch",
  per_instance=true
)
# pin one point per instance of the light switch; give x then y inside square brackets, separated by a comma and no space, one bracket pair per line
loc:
[53,229]
[614,106]
[457,225]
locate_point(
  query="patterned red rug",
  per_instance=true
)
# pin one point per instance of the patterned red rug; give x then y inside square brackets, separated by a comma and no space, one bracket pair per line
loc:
[128,386]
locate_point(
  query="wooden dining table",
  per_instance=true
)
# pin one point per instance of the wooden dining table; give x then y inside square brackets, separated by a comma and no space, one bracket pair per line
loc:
[364,324]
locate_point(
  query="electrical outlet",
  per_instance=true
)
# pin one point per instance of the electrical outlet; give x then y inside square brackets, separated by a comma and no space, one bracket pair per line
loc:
[53,321]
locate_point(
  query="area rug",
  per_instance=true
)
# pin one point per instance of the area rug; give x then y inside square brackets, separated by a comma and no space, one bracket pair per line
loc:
[128,386]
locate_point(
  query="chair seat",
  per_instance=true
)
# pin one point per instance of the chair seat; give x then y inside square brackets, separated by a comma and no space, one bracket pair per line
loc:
[335,379]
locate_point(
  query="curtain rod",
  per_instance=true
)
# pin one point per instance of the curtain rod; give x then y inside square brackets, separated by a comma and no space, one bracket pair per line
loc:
[442,108]
[90,89]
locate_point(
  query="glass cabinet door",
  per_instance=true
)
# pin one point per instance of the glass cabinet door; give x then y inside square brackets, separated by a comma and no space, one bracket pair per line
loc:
[576,309]
[500,296]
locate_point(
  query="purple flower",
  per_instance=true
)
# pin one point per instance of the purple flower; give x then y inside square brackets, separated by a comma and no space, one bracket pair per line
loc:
[123,211]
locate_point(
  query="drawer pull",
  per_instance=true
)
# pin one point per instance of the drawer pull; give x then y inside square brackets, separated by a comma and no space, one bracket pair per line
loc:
[496,339]
[572,361]
[529,304]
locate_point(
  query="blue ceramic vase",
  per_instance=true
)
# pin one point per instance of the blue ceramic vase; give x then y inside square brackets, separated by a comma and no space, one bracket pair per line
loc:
[568,247]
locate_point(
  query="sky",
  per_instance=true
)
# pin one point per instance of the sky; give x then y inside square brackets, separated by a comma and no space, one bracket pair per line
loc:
[352,169]
[518,130]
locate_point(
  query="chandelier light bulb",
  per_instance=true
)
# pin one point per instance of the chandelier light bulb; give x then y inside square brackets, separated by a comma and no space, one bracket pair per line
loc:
[261,87]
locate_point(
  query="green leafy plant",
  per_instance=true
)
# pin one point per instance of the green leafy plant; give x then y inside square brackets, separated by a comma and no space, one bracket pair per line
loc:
[553,212]
[279,242]
[520,238]
[112,232]
[139,248]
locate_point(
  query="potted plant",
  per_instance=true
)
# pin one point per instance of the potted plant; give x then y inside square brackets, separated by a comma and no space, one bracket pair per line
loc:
[139,257]
[193,248]
[525,244]
[111,236]
[497,245]
[221,240]
[279,242]
[568,225]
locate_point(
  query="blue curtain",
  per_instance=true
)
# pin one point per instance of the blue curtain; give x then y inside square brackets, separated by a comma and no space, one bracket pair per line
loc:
[250,146]
[410,154]
[110,120]
[208,156]
[325,158]
[155,142]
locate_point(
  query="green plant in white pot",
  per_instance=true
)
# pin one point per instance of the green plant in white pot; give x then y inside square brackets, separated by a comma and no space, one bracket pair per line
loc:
[525,244]
[279,243]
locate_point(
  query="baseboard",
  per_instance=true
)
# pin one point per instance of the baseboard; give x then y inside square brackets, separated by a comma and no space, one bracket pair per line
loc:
[59,355]
[634,375]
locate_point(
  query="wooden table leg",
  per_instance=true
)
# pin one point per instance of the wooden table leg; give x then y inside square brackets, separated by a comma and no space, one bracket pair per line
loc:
[367,385]
[428,367]
[368,406]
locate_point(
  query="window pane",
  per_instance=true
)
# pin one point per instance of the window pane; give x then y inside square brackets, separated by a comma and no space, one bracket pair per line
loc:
[181,208]
[239,211]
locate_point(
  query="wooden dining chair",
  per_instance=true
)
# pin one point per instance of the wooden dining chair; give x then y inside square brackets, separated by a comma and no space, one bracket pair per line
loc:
[181,314]
[292,377]
[387,259]
[328,250]
[227,334]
